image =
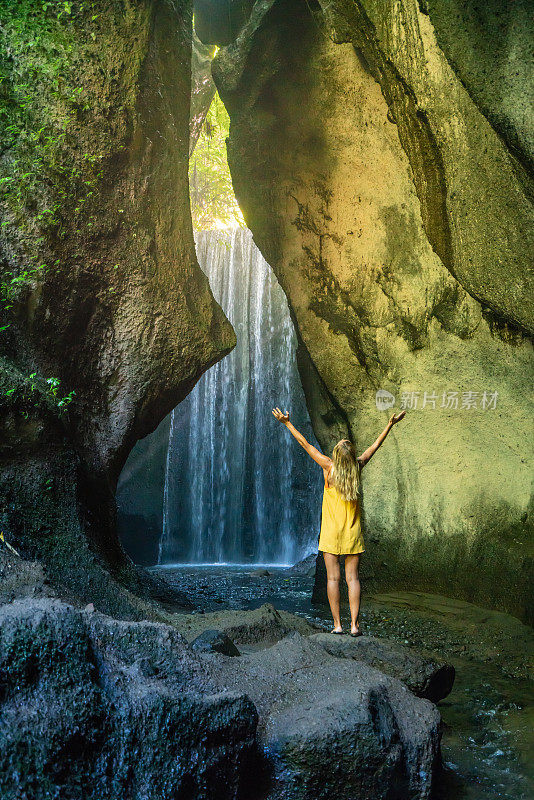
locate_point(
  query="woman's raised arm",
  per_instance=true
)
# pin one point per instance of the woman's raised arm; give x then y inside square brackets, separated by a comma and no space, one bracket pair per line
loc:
[312,451]
[369,453]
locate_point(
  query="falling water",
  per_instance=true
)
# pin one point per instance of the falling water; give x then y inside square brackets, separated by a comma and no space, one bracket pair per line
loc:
[238,488]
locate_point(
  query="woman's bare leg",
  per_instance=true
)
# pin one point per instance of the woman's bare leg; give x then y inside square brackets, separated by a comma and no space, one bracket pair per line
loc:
[353,582]
[333,576]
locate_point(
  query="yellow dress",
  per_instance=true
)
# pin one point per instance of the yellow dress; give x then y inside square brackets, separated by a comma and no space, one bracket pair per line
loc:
[341,528]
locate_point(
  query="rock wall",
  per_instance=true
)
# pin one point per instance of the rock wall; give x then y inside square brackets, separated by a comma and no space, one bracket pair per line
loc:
[101,289]
[387,184]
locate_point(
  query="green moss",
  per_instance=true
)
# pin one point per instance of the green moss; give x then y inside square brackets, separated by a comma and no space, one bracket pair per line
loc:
[39,99]
[67,98]
[62,68]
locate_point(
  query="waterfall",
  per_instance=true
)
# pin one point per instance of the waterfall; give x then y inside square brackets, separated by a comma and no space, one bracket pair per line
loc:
[238,487]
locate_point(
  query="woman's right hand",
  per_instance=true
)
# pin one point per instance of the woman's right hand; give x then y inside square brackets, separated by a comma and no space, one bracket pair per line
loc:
[284,418]
[397,417]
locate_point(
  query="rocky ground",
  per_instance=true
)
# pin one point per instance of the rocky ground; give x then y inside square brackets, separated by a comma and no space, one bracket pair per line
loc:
[103,708]
[430,622]
[488,717]
[259,677]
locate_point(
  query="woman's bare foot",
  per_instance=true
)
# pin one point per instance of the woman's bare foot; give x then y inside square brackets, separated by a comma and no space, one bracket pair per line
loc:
[338,629]
[355,630]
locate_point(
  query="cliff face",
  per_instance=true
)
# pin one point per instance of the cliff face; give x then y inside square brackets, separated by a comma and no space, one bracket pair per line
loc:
[388,185]
[101,289]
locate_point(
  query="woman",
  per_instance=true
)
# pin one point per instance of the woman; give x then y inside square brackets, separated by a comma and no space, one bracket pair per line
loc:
[341,530]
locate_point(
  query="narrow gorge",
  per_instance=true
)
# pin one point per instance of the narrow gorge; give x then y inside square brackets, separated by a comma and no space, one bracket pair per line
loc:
[210,209]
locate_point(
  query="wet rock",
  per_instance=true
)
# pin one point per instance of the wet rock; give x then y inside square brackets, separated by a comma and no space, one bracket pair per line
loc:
[335,728]
[306,567]
[261,573]
[81,692]
[262,625]
[20,578]
[213,641]
[425,678]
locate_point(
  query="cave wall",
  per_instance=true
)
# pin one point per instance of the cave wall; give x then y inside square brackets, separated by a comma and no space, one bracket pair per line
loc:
[389,189]
[140,495]
[95,130]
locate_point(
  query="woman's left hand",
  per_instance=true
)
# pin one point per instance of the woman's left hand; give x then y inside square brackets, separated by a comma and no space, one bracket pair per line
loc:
[284,418]
[397,417]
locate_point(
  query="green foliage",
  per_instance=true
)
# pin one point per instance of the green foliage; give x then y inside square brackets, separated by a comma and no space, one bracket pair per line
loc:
[213,202]
[53,385]
[11,285]
[26,394]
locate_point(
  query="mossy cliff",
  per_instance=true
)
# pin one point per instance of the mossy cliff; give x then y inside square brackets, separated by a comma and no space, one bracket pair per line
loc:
[389,186]
[107,320]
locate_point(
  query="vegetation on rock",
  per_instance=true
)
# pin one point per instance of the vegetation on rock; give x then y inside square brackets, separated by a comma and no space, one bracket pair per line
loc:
[103,309]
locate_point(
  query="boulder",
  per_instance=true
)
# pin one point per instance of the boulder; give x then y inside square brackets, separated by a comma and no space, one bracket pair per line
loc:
[185,721]
[330,727]
[306,567]
[213,641]
[263,625]
[359,159]
[99,708]
[424,677]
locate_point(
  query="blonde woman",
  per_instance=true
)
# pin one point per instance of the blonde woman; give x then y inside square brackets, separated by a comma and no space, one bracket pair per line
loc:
[341,530]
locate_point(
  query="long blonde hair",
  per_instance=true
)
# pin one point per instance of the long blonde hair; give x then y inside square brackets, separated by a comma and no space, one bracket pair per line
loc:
[346,475]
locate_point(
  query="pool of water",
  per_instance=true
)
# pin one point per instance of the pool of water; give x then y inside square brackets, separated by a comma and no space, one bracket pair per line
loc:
[488,737]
